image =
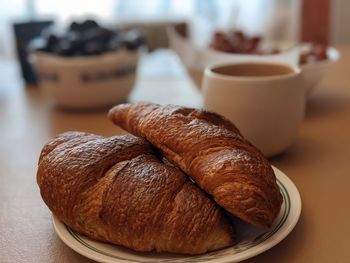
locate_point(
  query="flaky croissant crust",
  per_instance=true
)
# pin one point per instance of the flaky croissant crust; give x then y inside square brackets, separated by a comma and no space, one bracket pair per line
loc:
[117,190]
[211,150]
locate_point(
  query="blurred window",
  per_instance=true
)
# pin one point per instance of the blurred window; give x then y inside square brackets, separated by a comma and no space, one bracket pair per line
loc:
[276,19]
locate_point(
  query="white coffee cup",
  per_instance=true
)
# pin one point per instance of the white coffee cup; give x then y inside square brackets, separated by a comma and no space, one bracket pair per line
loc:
[266,101]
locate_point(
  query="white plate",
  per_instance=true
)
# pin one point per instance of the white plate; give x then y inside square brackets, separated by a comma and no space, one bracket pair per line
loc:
[252,241]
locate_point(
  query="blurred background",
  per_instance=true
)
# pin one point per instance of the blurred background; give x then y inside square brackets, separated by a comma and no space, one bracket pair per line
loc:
[322,21]
[74,29]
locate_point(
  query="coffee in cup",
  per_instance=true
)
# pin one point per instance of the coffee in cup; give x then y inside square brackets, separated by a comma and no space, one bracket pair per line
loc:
[266,101]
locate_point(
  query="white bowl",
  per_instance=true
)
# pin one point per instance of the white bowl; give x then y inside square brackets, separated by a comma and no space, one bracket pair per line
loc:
[87,82]
[196,59]
[313,72]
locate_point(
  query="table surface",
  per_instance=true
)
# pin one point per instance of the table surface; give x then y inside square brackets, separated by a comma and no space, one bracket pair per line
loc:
[318,162]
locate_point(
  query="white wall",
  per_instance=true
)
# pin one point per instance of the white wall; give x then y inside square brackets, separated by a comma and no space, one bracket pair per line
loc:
[340,34]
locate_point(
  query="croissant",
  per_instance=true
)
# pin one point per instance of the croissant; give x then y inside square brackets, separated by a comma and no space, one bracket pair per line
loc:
[117,190]
[211,150]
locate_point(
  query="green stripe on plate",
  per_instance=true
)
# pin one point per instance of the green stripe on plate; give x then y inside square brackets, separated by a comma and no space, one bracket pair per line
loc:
[237,249]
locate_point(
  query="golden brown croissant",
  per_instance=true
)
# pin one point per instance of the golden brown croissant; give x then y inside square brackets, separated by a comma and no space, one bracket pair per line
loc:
[116,190]
[212,151]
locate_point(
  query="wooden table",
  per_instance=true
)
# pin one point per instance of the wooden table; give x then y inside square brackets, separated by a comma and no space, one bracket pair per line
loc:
[318,162]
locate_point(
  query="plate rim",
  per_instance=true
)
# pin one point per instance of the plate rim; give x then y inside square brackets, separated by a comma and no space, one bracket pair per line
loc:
[293,217]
